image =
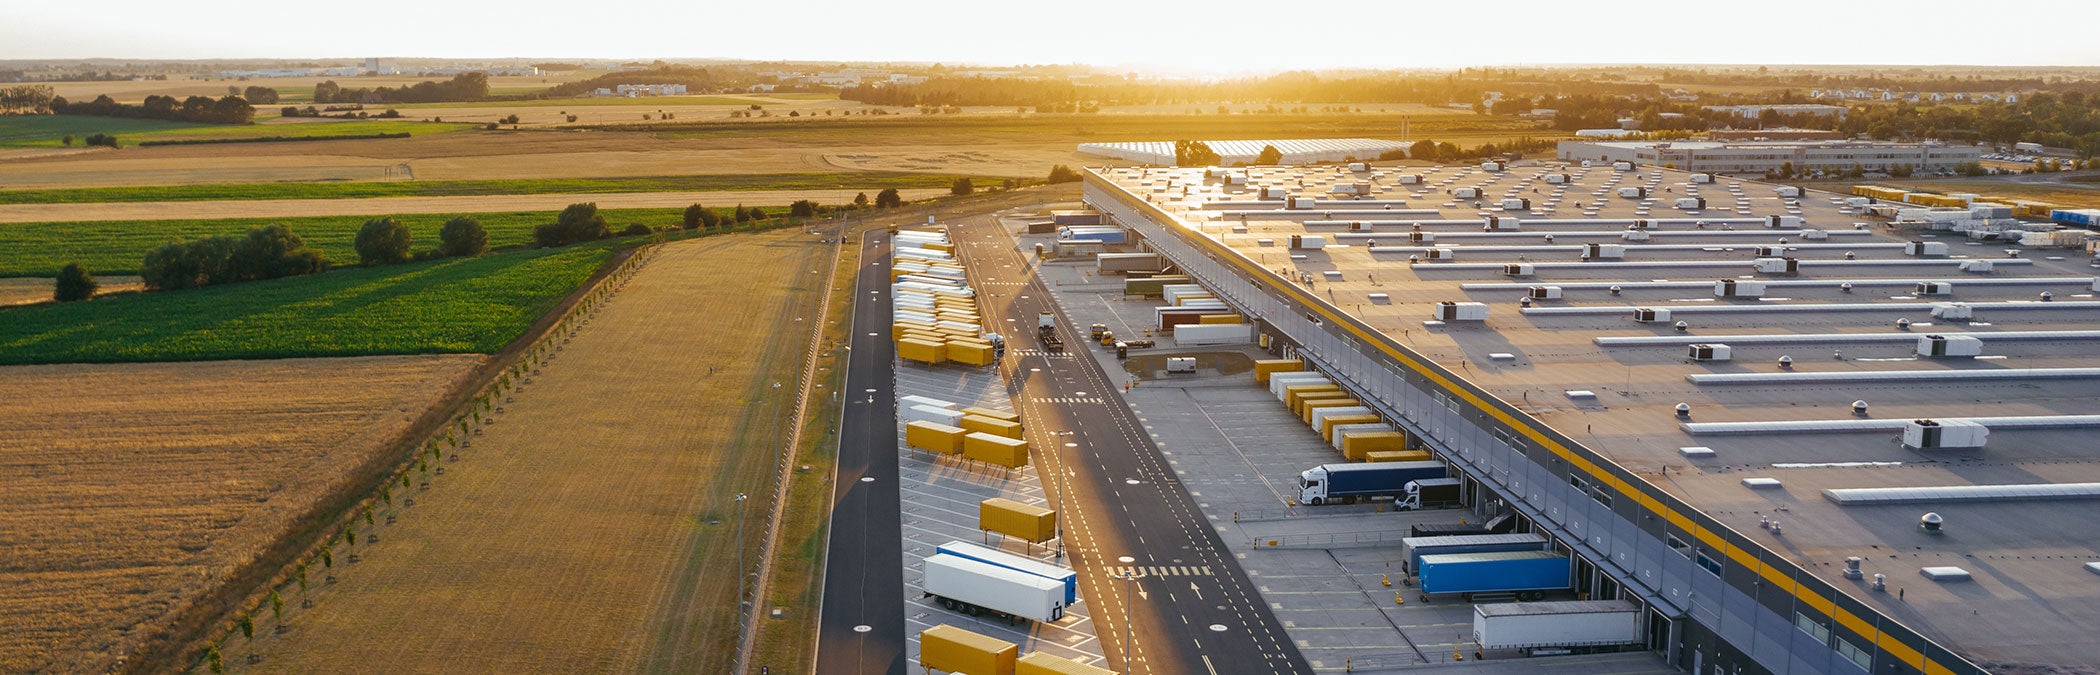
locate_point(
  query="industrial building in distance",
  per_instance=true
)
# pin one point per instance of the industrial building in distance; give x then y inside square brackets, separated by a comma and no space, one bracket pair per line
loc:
[1295,150]
[1800,437]
[1758,157]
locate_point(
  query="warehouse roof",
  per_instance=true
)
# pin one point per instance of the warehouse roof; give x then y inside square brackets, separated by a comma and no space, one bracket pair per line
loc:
[1582,364]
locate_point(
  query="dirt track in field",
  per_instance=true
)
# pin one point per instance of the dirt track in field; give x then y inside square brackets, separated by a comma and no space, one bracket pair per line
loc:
[591,527]
[126,491]
[285,208]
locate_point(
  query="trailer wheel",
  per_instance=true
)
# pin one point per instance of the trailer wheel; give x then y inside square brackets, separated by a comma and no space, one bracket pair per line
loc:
[1316,501]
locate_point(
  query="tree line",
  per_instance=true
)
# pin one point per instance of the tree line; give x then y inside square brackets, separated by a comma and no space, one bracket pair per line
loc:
[200,109]
[695,79]
[469,86]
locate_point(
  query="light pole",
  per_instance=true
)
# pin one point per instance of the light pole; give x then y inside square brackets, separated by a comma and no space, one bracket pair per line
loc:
[740,558]
[1129,577]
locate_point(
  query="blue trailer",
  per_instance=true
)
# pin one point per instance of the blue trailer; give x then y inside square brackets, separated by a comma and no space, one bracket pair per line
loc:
[1106,234]
[2080,217]
[1528,574]
[1413,548]
[1346,482]
[1018,563]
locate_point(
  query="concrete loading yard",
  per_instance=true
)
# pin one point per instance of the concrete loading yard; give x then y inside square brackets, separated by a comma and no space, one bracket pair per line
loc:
[1540,382]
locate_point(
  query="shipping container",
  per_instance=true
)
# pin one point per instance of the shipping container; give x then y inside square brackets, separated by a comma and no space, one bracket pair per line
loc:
[1278,382]
[1571,623]
[1391,456]
[991,425]
[1218,319]
[996,414]
[924,351]
[1127,262]
[1213,334]
[1345,482]
[1430,493]
[1064,576]
[1295,393]
[1354,446]
[1310,406]
[905,401]
[1039,663]
[994,449]
[927,413]
[1017,520]
[934,437]
[1330,421]
[1528,574]
[1266,367]
[954,650]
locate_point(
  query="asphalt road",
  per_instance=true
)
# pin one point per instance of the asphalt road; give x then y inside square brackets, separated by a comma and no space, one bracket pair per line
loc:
[861,628]
[1122,508]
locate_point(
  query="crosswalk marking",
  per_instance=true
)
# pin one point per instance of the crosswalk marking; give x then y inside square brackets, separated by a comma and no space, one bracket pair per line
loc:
[1068,400]
[1161,570]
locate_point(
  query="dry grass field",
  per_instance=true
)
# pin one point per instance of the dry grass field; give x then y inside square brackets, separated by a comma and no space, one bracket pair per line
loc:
[588,528]
[27,290]
[128,490]
[293,208]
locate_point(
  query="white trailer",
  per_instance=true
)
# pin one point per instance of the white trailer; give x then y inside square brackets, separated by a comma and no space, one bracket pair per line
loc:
[1191,334]
[1556,627]
[973,587]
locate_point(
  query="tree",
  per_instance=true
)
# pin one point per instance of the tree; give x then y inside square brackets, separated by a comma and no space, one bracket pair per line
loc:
[1423,150]
[74,283]
[758,213]
[888,198]
[1269,156]
[695,216]
[247,626]
[104,140]
[742,215]
[462,237]
[260,95]
[802,208]
[68,140]
[1063,174]
[635,230]
[382,241]
[269,252]
[578,222]
[861,200]
[1194,153]
[1786,169]
[961,186]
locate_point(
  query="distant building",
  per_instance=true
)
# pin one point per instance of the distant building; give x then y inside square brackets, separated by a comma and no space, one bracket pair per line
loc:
[1607,133]
[1757,157]
[640,90]
[1755,111]
[1775,134]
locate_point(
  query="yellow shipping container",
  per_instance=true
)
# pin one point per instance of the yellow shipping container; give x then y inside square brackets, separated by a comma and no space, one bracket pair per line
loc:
[992,425]
[1306,411]
[937,246]
[922,350]
[1266,367]
[1015,519]
[970,353]
[1180,300]
[1356,445]
[1218,318]
[898,329]
[1038,663]
[955,650]
[1291,393]
[1328,424]
[991,448]
[994,414]
[1296,401]
[1396,456]
[934,437]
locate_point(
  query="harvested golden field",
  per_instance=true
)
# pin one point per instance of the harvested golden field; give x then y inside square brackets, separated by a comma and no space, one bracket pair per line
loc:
[127,491]
[592,525]
[379,206]
[26,290]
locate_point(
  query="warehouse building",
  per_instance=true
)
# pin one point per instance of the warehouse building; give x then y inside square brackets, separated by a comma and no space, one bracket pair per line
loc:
[1295,150]
[1800,443]
[1758,157]
[1756,111]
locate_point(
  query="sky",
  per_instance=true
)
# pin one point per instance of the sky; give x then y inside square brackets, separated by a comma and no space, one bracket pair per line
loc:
[1202,37]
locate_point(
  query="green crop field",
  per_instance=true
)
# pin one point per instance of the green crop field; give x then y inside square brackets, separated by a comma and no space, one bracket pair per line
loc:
[872,181]
[118,246]
[49,131]
[304,130]
[473,305]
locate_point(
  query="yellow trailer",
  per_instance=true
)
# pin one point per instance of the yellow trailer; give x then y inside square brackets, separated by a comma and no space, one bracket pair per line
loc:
[955,650]
[991,425]
[922,350]
[934,437]
[994,414]
[1015,519]
[1296,401]
[1266,367]
[1328,424]
[970,353]
[1356,445]
[1038,663]
[1292,393]
[1306,411]
[1400,456]
[989,448]
[1218,318]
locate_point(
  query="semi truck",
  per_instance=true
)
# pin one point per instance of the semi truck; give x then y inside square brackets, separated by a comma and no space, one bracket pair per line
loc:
[1046,332]
[1528,575]
[976,588]
[1017,563]
[1413,548]
[1565,627]
[1429,493]
[1502,524]
[1349,482]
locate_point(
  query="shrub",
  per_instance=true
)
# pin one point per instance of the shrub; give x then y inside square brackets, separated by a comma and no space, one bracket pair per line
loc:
[695,216]
[462,237]
[74,283]
[1063,174]
[961,186]
[265,253]
[888,198]
[758,213]
[382,241]
[104,140]
[803,208]
[742,215]
[579,222]
[636,229]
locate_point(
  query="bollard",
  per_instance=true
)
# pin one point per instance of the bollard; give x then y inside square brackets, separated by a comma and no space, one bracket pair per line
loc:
[1235,516]
[1397,599]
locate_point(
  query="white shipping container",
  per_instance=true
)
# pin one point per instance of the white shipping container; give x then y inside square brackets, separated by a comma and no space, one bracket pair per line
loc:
[1190,334]
[1320,415]
[909,401]
[1342,431]
[1574,623]
[1280,381]
[993,587]
[927,413]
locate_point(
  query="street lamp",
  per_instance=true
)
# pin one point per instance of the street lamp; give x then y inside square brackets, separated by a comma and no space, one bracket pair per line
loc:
[1128,578]
[740,602]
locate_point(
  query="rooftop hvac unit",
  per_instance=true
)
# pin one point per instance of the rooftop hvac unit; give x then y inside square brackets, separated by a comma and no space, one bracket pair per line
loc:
[1783,221]
[1351,188]
[1308,241]
[1421,237]
[1633,192]
[1635,235]
[1515,204]
[1976,266]
[1359,226]
[1545,292]
[1949,346]
[1603,251]
[1778,265]
[1517,270]
[1788,191]
[1274,192]
[1711,352]
[1296,202]
[1814,235]
[1691,203]
[1731,288]
[1622,166]
[1953,311]
[1556,179]
[1410,179]
[1359,167]
[1506,223]
[1923,248]
[1439,254]
[1651,315]
[1935,288]
[1492,166]
[1770,251]
[1466,193]
[1925,433]
[1702,178]
[1461,311]
[1641,224]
